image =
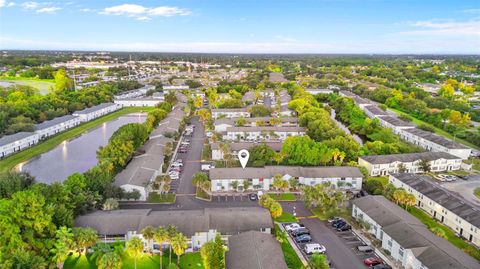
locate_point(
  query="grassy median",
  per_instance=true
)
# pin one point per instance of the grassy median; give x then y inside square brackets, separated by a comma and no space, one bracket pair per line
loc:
[25,155]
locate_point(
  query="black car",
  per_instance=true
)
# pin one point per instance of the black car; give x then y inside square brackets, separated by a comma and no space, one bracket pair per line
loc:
[343,228]
[303,238]
[339,224]
[300,231]
[253,197]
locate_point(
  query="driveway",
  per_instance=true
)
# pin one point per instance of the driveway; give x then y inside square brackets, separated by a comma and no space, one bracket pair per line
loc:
[340,246]
[465,188]
[192,158]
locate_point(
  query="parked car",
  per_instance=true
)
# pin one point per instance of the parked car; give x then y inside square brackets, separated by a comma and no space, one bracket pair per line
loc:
[305,238]
[365,249]
[290,227]
[300,231]
[206,167]
[314,248]
[463,177]
[343,228]
[372,261]
[382,266]
[253,197]
[177,164]
[339,224]
[333,219]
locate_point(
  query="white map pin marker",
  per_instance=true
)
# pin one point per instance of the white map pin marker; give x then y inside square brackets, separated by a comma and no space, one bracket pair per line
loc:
[243,156]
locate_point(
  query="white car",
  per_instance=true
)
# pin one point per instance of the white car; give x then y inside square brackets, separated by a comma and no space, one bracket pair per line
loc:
[312,248]
[292,227]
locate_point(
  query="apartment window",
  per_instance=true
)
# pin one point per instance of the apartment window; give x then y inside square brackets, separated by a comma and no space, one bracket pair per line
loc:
[400,252]
[390,243]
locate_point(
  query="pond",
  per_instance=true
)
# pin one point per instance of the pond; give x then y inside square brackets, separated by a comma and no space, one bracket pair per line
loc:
[77,154]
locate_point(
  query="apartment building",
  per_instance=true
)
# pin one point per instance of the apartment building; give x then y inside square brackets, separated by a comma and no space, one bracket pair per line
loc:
[97,111]
[222,124]
[56,125]
[261,178]
[262,133]
[443,205]
[235,147]
[230,113]
[408,240]
[10,144]
[381,165]
[146,101]
[395,124]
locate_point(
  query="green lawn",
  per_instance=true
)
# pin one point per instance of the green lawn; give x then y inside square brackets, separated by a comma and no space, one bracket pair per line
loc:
[283,196]
[166,198]
[477,192]
[291,257]
[25,155]
[146,261]
[201,194]
[451,237]
[286,217]
[437,130]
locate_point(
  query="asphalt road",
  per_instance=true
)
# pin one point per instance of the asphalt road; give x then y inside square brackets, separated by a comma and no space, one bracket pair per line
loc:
[340,252]
[191,159]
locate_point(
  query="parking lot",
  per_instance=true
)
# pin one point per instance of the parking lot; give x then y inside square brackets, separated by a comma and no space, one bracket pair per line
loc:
[233,197]
[341,247]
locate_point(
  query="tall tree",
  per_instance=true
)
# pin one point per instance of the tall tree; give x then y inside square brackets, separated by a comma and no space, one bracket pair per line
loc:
[135,248]
[63,246]
[161,236]
[179,244]
[110,260]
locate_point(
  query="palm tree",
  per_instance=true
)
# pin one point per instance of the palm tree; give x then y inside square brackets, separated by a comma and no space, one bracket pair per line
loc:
[179,244]
[161,236]
[148,233]
[277,182]
[135,248]
[63,245]
[110,204]
[318,261]
[399,196]
[171,231]
[246,184]
[234,185]
[200,180]
[110,260]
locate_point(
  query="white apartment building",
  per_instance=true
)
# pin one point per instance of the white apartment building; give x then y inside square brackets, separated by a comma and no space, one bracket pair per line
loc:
[444,206]
[126,102]
[199,226]
[94,112]
[395,124]
[433,142]
[381,165]
[262,133]
[318,91]
[261,178]
[407,240]
[373,111]
[10,144]
[169,88]
[230,113]
[222,124]
[56,125]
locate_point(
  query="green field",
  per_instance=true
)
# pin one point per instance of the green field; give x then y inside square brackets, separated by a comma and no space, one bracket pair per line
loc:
[43,85]
[147,261]
[283,196]
[477,192]
[25,155]
[286,217]
[451,237]
[437,130]
[166,198]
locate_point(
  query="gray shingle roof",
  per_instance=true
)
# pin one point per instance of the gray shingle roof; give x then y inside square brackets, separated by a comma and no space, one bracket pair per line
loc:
[375,110]
[266,129]
[5,140]
[447,199]
[94,108]
[295,171]
[254,250]
[408,157]
[228,221]
[224,110]
[53,122]
[435,138]
[397,122]
[431,250]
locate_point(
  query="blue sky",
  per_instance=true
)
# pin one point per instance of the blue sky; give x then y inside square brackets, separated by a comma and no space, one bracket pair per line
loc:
[243,26]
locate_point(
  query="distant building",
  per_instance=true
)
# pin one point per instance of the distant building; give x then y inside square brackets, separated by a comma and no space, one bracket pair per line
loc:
[170,88]
[230,113]
[254,250]
[261,178]
[407,240]
[10,144]
[126,102]
[395,124]
[448,208]
[262,133]
[56,125]
[97,111]
[199,226]
[382,165]
[318,91]
[222,124]
[433,142]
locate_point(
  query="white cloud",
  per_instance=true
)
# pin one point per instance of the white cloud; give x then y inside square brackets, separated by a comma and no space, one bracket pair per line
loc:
[2,3]
[86,10]
[30,5]
[144,13]
[472,10]
[444,28]
[49,10]
[10,4]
